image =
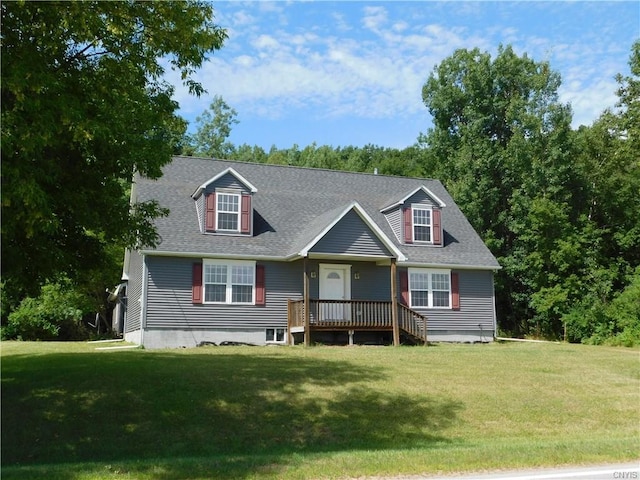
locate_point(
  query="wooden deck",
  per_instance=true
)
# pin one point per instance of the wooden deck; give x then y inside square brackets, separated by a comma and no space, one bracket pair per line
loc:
[355,315]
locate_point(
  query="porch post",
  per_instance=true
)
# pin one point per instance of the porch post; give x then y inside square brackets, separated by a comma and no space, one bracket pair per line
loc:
[394,305]
[307,326]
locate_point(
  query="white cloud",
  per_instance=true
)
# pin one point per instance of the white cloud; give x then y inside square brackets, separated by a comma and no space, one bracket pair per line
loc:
[372,63]
[374,17]
[266,42]
[588,100]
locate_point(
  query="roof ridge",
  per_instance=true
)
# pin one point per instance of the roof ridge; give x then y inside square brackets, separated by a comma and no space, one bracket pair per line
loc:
[302,167]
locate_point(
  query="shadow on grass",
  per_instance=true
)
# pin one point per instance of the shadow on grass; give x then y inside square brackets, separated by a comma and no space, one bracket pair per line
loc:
[238,413]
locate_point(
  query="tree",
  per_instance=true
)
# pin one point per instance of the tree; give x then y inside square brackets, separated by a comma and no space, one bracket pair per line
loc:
[609,159]
[84,106]
[213,129]
[501,143]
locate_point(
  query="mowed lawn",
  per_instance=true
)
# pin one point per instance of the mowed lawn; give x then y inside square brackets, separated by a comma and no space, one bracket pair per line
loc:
[70,411]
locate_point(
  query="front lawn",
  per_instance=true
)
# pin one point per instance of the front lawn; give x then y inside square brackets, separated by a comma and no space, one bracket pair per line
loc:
[72,412]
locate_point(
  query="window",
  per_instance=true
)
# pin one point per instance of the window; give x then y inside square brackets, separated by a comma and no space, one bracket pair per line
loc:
[228,211]
[430,288]
[275,335]
[421,224]
[229,282]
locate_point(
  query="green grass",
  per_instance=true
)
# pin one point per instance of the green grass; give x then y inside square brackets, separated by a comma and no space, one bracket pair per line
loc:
[71,412]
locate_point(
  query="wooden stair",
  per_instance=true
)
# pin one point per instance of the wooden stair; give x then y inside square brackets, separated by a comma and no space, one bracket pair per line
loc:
[412,324]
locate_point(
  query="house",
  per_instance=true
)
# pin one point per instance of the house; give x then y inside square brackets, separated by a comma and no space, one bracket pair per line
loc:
[264,254]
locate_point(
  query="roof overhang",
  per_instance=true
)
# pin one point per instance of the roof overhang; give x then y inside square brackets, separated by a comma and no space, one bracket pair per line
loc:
[432,195]
[231,171]
[452,266]
[355,206]
[166,253]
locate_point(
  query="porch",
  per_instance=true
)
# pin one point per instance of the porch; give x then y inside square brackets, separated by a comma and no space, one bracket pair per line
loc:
[355,316]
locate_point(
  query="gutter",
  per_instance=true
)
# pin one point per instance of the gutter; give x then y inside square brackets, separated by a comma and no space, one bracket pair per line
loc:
[299,256]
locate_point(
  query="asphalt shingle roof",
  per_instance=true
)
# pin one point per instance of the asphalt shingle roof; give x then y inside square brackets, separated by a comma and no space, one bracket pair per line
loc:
[293,204]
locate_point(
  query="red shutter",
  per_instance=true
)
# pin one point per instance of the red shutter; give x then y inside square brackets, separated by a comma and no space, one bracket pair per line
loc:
[437,227]
[404,286]
[211,212]
[261,298]
[455,291]
[196,283]
[245,214]
[408,225]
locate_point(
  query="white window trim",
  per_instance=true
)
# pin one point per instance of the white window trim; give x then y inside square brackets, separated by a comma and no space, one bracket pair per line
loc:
[229,290]
[237,214]
[413,224]
[430,272]
[275,333]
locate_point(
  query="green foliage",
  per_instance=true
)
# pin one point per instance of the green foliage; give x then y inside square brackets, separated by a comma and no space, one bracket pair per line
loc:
[501,145]
[614,323]
[213,128]
[84,107]
[56,314]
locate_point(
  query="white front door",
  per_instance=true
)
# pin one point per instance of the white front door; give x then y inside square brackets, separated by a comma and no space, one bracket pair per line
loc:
[335,284]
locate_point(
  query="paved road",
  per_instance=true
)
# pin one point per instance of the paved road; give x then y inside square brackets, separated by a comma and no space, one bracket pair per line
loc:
[623,471]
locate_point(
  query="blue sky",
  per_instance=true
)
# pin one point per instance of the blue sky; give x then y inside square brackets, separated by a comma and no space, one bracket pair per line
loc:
[351,73]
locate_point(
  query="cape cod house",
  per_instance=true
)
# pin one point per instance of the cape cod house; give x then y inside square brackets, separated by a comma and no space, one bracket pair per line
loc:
[262,254]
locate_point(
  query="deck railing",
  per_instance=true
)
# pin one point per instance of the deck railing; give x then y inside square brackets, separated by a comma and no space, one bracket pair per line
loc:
[356,314]
[341,313]
[412,322]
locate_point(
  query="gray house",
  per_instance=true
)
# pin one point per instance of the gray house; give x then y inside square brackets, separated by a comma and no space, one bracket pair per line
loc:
[263,254]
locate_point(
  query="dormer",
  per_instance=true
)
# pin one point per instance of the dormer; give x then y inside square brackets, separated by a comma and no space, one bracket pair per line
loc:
[416,218]
[224,204]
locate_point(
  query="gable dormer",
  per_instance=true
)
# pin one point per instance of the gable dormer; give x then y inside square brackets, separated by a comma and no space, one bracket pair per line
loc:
[416,218]
[224,204]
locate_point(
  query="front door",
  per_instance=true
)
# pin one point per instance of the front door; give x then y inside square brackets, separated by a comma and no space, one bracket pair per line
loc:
[335,284]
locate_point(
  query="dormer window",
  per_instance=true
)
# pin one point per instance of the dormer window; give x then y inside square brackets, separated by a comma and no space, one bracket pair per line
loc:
[228,212]
[226,204]
[422,224]
[416,218]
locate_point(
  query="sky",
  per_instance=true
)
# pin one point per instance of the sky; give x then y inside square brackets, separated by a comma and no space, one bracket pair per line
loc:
[351,73]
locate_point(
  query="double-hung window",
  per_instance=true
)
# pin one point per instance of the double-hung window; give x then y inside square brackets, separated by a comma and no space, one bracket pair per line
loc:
[421,224]
[228,212]
[430,288]
[230,282]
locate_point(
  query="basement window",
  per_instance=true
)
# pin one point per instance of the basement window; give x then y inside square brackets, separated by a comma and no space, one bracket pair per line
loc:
[275,335]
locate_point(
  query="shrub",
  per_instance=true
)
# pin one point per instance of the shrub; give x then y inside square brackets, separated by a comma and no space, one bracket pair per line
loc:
[614,323]
[56,314]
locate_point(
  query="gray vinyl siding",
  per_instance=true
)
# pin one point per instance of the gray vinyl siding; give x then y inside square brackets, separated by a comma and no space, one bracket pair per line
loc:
[201,212]
[352,236]
[227,181]
[420,197]
[170,307]
[134,292]
[476,305]
[394,217]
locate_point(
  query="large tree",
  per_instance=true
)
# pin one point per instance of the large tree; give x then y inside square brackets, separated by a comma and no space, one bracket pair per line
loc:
[84,106]
[608,307]
[213,128]
[501,142]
